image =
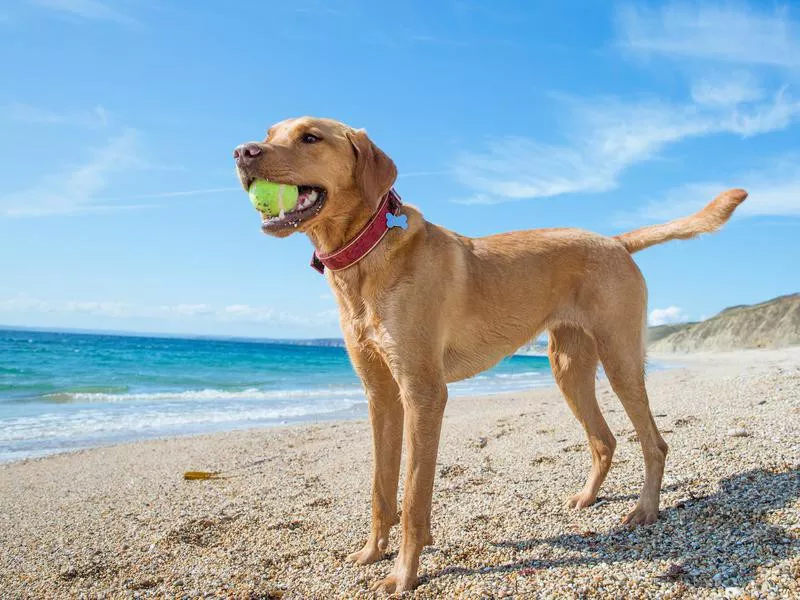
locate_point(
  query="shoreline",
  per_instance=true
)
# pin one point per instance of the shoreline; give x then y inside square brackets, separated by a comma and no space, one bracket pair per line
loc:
[318,419]
[67,392]
[355,409]
[358,411]
[120,520]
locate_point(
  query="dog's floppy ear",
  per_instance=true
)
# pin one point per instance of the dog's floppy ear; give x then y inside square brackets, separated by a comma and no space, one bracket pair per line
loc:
[375,172]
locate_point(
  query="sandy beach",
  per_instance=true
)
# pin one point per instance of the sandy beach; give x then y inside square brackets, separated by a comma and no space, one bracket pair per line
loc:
[122,522]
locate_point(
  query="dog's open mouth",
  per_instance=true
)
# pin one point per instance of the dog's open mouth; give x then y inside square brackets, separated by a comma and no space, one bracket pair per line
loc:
[309,202]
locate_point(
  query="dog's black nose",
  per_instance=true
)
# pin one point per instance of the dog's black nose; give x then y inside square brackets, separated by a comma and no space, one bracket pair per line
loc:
[245,153]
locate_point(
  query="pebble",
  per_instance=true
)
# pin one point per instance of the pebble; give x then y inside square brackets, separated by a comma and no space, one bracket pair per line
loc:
[738,432]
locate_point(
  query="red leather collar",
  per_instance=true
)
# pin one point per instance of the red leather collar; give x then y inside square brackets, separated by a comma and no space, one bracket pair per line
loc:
[364,241]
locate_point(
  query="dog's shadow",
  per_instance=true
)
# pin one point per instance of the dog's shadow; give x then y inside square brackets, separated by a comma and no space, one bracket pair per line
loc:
[708,541]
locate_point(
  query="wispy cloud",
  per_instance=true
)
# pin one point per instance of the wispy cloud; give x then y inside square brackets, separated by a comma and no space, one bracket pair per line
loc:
[180,193]
[763,34]
[22,303]
[96,118]
[77,189]
[85,9]
[86,187]
[605,138]
[730,90]
[671,314]
[411,174]
[514,168]
[774,192]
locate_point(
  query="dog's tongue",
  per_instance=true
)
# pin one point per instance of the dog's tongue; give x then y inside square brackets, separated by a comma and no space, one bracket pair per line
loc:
[306,198]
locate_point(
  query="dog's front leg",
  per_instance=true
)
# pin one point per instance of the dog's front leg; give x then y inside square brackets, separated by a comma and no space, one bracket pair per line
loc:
[424,403]
[386,417]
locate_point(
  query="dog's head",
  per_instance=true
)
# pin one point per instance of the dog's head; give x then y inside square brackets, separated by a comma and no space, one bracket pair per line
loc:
[338,170]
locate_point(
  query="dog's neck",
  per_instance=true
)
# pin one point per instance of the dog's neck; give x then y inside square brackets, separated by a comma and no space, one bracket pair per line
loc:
[336,231]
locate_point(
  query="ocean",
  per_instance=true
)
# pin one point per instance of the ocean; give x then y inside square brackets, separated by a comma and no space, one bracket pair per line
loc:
[67,391]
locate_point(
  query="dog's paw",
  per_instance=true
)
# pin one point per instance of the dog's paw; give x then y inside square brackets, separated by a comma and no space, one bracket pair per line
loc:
[641,516]
[366,556]
[394,584]
[580,500]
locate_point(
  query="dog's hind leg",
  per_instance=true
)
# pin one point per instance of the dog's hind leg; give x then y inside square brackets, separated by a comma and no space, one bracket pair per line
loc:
[622,354]
[573,358]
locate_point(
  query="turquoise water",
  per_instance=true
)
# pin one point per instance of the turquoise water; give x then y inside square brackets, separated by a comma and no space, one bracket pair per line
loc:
[65,391]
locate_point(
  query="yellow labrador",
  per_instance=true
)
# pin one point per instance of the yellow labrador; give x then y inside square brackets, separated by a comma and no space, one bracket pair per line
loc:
[427,306]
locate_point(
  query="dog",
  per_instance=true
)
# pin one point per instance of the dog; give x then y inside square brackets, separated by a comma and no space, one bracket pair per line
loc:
[423,306]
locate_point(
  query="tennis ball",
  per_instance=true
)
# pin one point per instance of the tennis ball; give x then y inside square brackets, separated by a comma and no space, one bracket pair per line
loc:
[272,198]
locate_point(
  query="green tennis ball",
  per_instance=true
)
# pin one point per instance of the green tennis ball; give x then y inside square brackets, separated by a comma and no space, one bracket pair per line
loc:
[272,198]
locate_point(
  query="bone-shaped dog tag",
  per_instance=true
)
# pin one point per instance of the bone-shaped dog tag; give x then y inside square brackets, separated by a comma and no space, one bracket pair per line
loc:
[400,221]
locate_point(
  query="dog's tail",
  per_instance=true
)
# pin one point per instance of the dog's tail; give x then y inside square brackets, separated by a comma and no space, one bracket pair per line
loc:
[711,218]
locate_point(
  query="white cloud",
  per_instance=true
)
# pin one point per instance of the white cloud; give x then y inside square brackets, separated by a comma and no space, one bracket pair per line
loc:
[476,199]
[608,136]
[761,118]
[85,9]
[78,189]
[411,174]
[726,91]
[677,202]
[86,187]
[757,38]
[95,118]
[22,303]
[774,191]
[716,31]
[671,314]
[780,198]
[248,313]
[181,193]
[189,310]
[604,137]
[515,168]
[112,309]
[105,309]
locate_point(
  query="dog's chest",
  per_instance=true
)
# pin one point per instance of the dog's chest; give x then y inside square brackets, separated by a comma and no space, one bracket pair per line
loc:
[368,332]
[361,323]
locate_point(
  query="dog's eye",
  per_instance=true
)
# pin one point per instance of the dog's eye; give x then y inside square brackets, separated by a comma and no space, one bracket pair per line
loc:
[310,138]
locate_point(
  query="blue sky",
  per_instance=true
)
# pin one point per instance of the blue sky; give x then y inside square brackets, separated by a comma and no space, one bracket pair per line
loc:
[119,207]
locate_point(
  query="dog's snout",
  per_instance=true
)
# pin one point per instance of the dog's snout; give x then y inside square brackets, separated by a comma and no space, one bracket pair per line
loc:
[245,153]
